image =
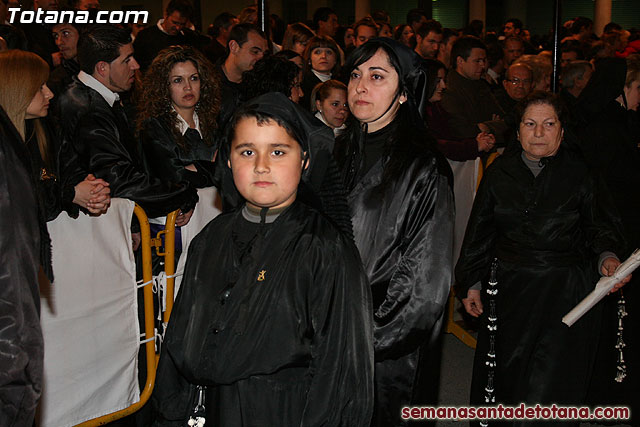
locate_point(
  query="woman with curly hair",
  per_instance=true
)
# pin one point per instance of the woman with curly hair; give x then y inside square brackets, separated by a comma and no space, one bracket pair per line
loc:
[321,63]
[177,116]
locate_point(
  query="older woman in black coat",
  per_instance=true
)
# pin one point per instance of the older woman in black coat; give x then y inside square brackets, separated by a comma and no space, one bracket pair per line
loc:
[545,218]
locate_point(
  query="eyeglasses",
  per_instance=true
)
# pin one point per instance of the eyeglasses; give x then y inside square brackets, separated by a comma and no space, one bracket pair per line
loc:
[516,82]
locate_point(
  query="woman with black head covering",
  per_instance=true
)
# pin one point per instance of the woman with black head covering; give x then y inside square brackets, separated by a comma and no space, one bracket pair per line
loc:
[402,213]
[273,319]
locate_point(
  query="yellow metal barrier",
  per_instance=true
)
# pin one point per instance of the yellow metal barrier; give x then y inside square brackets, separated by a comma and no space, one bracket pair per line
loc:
[482,168]
[169,261]
[147,276]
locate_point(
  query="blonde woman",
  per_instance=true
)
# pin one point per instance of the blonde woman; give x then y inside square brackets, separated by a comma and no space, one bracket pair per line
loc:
[25,98]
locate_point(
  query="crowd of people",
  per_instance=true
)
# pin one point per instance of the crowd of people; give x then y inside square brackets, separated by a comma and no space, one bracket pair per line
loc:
[348,162]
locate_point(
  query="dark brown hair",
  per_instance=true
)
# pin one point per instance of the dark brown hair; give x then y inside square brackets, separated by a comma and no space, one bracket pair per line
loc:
[156,97]
[321,41]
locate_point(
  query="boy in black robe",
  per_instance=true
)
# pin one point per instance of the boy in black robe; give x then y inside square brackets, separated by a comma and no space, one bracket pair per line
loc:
[274,314]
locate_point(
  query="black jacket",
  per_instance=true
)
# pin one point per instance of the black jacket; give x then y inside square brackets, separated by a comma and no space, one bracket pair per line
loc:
[468,103]
[21,345]
[309,81]
[277,328]
[95,139]
[610,141]
[547,233]
[61,76]
[166,160]
[404,233]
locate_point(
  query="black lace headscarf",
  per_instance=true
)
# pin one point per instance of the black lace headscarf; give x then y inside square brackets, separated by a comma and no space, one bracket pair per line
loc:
[320,185]
[409,138]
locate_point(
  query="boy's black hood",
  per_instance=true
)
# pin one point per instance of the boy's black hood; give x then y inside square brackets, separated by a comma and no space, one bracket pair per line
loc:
[320,186]
[313,136]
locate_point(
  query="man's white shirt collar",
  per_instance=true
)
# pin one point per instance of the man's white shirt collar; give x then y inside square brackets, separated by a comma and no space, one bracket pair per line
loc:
[159,24]
[90,81]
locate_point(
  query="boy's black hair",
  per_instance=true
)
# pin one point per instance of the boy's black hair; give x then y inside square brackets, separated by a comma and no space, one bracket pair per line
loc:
[262,118]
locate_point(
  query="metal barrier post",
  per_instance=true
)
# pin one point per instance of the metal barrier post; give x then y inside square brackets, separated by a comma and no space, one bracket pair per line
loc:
[169,261]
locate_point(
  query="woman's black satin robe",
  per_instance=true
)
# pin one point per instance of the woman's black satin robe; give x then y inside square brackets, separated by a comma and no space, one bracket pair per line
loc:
[21,345]
[166,160]
[294,349]
[547,232]
[405,239]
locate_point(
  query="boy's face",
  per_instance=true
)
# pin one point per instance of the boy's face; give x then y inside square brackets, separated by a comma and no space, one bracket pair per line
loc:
[266,164]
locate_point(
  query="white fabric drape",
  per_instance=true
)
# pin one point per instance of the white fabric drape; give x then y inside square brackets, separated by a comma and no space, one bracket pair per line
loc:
[89,319]
[209,206]
[465,180]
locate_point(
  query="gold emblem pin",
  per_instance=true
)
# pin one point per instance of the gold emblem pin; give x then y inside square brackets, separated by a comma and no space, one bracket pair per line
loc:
[261,275]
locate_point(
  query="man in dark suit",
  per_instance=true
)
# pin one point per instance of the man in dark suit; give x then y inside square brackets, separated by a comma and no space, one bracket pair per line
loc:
[96,135]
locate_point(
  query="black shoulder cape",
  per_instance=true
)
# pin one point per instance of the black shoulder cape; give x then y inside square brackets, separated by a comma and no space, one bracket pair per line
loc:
[281,337]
